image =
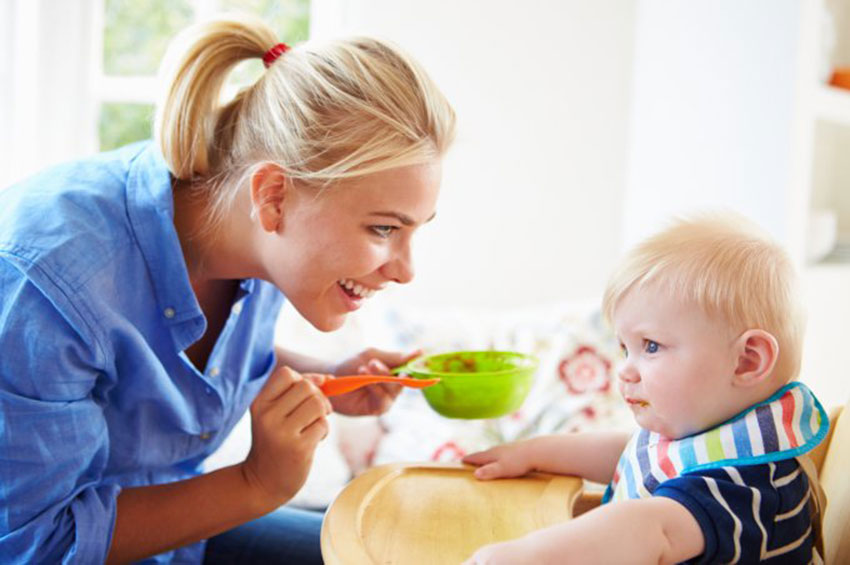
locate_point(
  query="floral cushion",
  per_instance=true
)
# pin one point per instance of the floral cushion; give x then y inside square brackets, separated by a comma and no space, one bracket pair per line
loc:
[574,388]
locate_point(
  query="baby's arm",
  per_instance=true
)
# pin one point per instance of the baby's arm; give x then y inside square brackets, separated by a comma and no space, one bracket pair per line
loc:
[653,530]
[591,455]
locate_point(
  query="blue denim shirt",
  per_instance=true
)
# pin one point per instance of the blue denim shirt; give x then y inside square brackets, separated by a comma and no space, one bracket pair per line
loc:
[96,391]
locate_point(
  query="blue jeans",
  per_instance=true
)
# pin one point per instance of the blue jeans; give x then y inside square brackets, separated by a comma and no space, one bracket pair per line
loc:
[287,535]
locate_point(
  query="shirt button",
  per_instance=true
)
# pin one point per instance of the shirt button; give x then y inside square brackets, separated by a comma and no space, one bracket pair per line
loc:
[215,371]
[204,435]
[237,308]
[168,312]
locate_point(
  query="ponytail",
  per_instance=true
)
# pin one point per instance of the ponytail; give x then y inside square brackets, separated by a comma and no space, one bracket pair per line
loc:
[195,70]
[323,112]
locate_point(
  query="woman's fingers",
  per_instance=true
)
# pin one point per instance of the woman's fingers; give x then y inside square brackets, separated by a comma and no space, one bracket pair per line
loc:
[318,380]
[392,358]
[317,431]
[286,390]
[390,390]
[377,367]
[294,396]
[309,411]
[277,384]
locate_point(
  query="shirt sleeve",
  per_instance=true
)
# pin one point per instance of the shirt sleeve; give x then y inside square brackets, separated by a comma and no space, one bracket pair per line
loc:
[53,435]
[747,514]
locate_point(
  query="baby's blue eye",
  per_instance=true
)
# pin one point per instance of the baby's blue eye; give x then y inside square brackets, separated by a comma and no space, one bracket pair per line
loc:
[650,346]
[623,350]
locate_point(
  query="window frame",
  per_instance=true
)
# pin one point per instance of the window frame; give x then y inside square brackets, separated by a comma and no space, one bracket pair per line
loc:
[51,55]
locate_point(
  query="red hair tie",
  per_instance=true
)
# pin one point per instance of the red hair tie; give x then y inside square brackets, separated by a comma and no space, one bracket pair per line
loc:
[273,53]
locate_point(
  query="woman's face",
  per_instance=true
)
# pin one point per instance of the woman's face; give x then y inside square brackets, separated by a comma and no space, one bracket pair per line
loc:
[333,251]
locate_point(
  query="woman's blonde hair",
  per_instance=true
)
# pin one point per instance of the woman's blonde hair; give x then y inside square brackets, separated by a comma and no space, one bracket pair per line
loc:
[323,112]
[729,268]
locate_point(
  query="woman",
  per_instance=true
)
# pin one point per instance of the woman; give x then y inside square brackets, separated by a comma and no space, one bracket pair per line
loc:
[139,291]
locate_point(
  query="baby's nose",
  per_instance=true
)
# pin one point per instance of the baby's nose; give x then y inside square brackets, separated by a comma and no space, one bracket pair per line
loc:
[628,373]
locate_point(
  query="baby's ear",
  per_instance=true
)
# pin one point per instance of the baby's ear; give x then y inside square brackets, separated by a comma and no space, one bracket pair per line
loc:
[757,352]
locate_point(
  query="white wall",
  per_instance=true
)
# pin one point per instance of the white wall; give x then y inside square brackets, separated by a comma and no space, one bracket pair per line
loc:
[712,114]
[531,205]
[713,125]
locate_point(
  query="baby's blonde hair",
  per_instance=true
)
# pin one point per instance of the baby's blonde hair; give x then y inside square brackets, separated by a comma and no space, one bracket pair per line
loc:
[726,266]
[323,112]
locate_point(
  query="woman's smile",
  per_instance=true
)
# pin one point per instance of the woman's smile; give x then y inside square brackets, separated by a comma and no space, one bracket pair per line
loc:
[354,294]
[357,290]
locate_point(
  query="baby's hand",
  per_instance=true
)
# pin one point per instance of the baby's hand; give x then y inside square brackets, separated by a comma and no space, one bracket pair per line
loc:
[513,552]
[484,556]
[503,461]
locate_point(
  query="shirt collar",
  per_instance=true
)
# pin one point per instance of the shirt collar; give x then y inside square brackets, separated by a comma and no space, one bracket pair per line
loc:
[151,212]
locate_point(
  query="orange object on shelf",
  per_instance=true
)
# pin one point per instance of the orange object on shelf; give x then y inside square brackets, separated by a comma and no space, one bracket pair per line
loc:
[840,78]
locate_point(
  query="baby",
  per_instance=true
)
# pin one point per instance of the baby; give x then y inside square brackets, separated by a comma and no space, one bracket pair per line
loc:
[707,316]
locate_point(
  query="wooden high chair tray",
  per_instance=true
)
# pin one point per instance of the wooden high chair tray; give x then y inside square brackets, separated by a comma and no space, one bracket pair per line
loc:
[436,513]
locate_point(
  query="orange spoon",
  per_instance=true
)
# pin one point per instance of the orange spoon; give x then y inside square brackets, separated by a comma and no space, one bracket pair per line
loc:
[341,385]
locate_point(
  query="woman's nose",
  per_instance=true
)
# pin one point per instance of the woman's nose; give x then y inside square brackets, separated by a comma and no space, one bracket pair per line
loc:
[399,269]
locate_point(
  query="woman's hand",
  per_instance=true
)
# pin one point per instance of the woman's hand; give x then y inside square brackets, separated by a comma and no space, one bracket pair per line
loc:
[502,461]
[288,420]
[373,399]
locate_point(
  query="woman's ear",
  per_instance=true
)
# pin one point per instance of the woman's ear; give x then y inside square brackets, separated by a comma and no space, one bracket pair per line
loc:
[268,192]
[757,352]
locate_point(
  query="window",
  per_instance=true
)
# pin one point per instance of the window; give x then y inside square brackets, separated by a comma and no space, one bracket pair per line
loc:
[135,36]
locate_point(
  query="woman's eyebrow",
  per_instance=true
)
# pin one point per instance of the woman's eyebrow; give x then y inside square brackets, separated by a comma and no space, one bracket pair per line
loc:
[403,218]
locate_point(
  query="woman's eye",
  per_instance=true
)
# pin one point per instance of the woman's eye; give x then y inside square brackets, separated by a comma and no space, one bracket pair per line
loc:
[383,231]
[650,346]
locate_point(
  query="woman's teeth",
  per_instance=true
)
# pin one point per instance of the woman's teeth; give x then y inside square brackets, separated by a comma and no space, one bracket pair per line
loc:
[356,289]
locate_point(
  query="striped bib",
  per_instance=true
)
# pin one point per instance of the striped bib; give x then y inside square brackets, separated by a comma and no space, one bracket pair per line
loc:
[789,423]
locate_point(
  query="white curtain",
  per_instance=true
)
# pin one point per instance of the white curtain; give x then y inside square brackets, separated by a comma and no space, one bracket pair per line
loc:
[47,112]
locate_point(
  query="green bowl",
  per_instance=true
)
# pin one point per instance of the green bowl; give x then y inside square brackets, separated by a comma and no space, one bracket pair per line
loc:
[475,384]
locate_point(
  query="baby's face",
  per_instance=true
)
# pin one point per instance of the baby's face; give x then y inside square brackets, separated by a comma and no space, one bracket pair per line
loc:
[676,374]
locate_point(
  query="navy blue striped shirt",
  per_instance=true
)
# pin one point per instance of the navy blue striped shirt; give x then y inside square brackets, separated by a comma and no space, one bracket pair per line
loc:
[748,514]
